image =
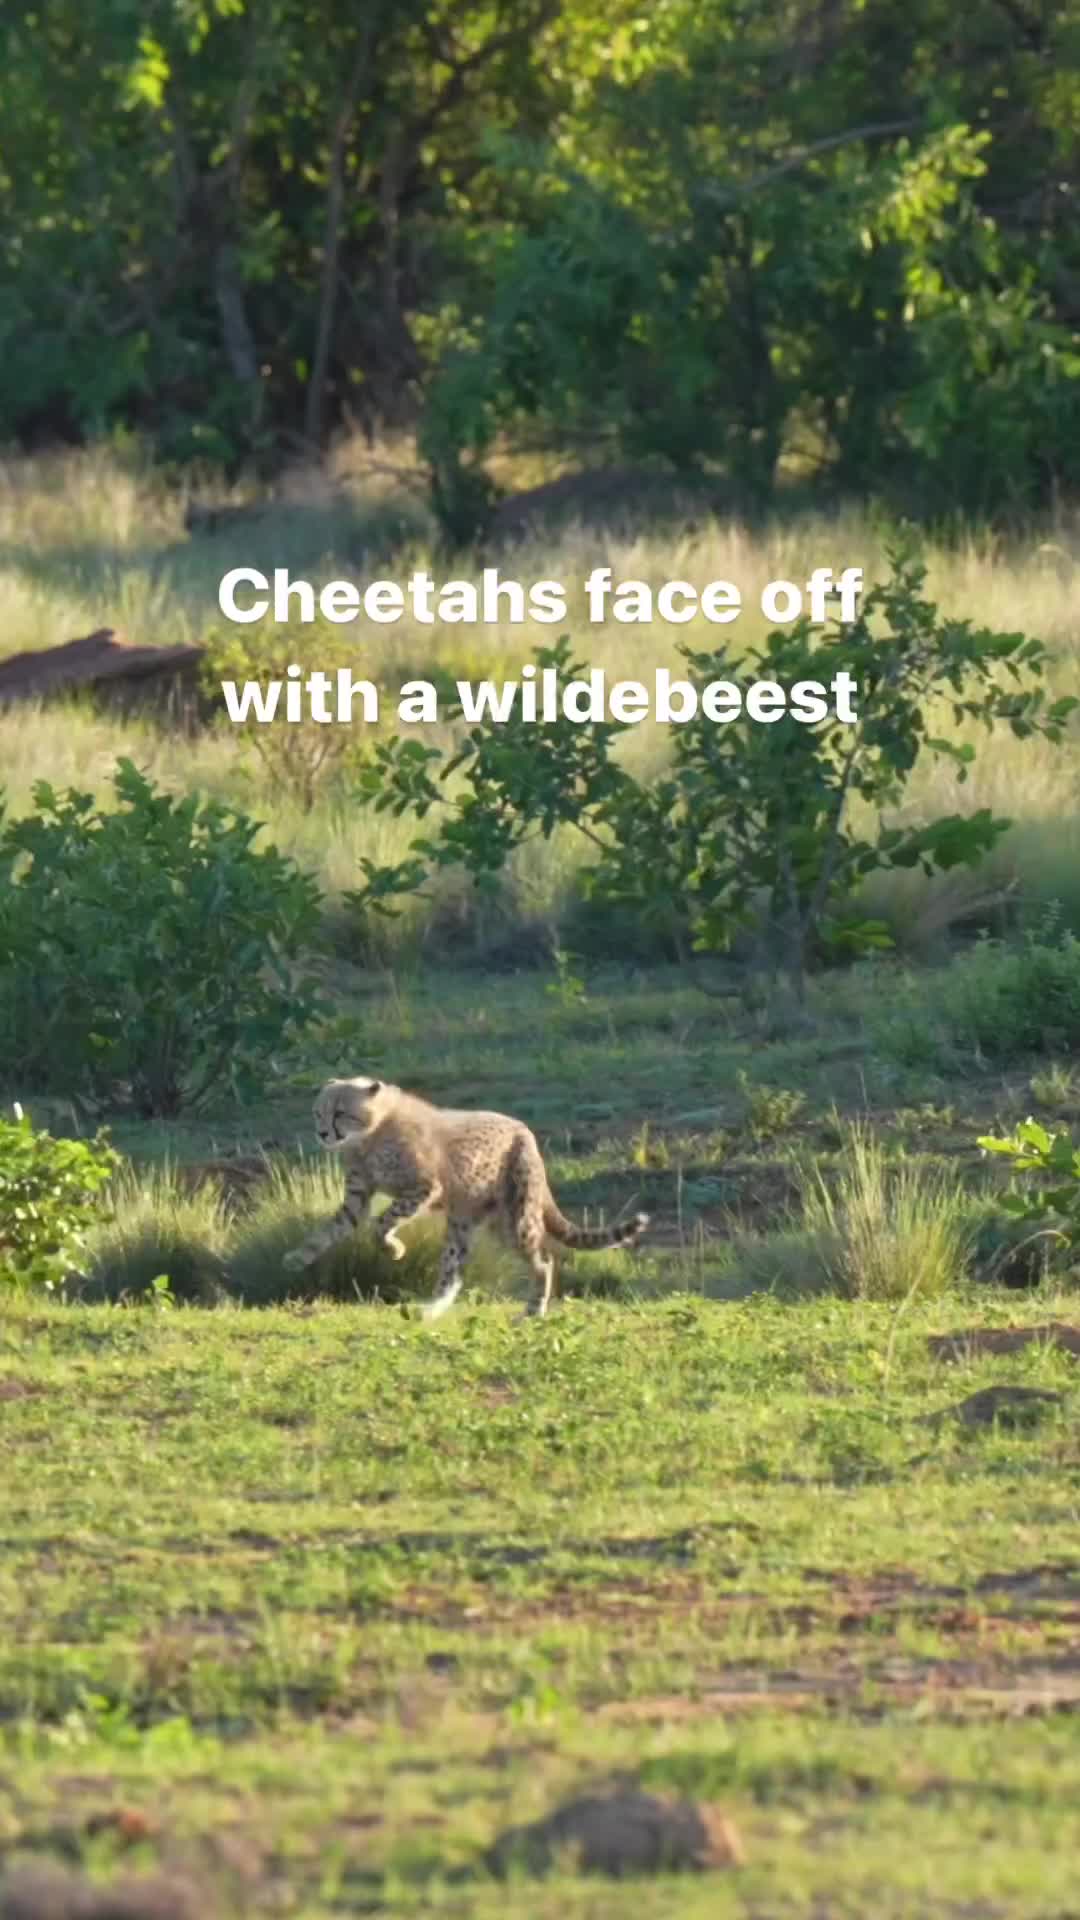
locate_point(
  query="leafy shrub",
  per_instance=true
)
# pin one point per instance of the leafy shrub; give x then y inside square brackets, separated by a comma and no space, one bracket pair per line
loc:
[1007,1000]
[999,1001]
[1053,1208]
[1055,1086]
[769,1110]
[759,826]
[147,954]
[48,1189]
[1006,1252]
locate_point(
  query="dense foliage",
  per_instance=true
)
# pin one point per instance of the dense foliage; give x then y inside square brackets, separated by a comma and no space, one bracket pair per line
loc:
[708,234]
[47,1191]
[147,952]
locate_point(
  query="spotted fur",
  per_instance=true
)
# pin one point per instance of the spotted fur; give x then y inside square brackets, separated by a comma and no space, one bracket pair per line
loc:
[473,1167]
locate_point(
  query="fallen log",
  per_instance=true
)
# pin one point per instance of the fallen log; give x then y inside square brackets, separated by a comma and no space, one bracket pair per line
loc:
[104,663]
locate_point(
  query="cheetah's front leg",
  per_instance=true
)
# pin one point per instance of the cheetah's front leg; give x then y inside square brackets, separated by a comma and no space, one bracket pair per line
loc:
[407,1206]
[351,1214]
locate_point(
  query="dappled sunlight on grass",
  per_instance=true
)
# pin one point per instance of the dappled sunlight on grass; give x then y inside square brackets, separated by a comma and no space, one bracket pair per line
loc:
[97,538]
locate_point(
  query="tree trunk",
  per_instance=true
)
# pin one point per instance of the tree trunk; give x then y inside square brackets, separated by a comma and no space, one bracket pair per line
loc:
[328,284]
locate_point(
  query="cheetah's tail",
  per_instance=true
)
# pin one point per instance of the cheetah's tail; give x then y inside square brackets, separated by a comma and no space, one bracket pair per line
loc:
[626,1234]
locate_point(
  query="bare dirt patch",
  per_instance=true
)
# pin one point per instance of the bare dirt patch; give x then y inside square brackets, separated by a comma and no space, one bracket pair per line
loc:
[972,1341]
[12,1388]
[34,1892]
[621,1833]
[1005,1406]
[938,1688]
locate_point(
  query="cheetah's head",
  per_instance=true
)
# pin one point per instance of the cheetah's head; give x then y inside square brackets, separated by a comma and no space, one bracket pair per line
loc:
[346,1110]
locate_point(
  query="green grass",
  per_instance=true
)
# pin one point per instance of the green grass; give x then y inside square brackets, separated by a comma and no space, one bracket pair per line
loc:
[333,1599]
[882,1232]
[835,1167]
[360,1595]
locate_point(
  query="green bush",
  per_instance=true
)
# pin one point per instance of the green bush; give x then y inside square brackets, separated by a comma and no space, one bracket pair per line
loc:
[1052,1209]
[48,1189]
[1007,1252]
[999,1002]
[1010,1000]
[878,300]
[148,954]
[768,828]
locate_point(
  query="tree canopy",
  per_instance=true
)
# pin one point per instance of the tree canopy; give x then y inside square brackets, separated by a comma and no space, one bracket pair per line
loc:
[709,234]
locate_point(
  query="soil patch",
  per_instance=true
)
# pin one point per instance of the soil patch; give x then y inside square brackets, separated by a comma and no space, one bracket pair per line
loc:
[621,1833]
[976,1340]
[993,1406]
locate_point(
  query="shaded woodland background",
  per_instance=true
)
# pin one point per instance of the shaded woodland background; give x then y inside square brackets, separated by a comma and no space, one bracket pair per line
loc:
[744,240]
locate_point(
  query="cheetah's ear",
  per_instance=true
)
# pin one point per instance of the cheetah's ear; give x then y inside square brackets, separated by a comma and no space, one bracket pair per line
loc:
[373,1086]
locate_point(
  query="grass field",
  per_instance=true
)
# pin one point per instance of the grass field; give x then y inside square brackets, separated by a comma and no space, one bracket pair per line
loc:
[310,1604]
[303,1607]
[331,1602]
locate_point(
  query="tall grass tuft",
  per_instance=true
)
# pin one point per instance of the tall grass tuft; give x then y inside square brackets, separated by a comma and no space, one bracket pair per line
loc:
[158,1225]
[886,1232]
[879,1231]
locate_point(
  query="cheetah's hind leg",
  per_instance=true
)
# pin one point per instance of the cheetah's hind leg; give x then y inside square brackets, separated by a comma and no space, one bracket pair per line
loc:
[542,1265]
[531,1237]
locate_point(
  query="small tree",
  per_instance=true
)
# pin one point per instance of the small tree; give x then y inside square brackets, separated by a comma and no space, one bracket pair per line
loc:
[303,759]
[148,953]
[750,824]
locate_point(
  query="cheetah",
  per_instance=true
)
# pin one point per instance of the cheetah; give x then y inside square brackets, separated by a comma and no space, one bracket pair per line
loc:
[474,1167]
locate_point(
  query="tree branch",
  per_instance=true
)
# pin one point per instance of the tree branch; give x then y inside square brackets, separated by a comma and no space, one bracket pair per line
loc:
[453,87]
[874,130]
